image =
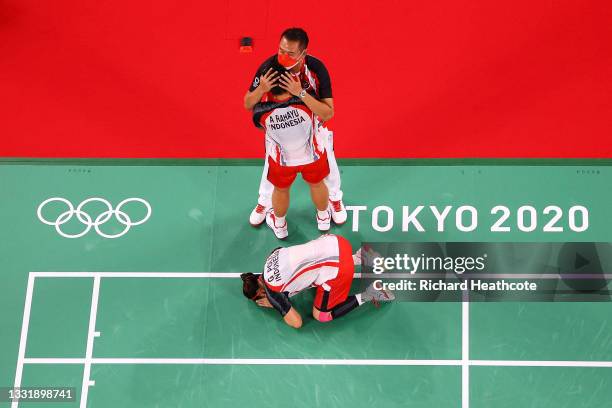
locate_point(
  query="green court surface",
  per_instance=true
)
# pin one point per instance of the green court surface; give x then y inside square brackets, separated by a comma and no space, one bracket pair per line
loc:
[156,317]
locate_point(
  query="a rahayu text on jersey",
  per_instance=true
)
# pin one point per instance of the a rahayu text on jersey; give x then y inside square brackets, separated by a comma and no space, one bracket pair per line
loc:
[291,136]
[292,130]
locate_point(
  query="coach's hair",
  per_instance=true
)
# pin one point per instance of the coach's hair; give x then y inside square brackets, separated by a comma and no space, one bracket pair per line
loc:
[296,34]
[249,285]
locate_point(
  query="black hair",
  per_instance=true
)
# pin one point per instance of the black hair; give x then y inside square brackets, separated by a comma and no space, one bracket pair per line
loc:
[249,285]
[296,34]
[280,70]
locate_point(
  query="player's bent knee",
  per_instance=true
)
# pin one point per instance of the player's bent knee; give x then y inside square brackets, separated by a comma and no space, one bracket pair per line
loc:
[322,316]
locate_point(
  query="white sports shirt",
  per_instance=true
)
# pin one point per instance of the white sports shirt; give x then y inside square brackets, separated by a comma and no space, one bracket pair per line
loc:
[300,267]
[291,136]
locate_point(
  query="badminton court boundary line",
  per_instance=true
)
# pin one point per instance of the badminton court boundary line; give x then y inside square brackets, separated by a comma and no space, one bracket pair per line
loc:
[465,363]
[91,335]
[319,361]
[465,353]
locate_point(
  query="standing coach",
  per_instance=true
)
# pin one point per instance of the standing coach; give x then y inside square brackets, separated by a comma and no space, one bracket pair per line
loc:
[316,94]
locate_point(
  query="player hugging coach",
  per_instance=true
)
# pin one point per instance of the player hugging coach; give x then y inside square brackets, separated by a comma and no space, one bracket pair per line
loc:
[290,99]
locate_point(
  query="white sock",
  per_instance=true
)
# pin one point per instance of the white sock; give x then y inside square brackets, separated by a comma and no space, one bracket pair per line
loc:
[359,300]
[323,215]
[280,221]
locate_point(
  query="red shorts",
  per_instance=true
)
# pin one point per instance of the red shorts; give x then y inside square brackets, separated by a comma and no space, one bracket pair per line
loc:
[340,286]
[283,176]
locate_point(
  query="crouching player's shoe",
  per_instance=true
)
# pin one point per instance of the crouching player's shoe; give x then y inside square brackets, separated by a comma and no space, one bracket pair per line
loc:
[278,226]
[338,211]
[258,215]
[324,220]
[376,296]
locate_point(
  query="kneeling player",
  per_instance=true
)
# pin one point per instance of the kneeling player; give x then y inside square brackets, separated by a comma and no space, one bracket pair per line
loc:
[326,263]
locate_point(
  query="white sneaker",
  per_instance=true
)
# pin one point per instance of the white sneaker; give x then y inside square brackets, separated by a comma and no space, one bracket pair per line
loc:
[324,223]
[338,211]
[258,215]
[280,231]
[376,296]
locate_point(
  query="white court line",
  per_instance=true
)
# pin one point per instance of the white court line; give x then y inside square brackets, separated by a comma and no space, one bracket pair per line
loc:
[82,274]
[136,274]
[536,363]
[25,324]
[319,361]
[542,276]
[246,361]
[91,335]
[465,354]
[141,274]
[52,360]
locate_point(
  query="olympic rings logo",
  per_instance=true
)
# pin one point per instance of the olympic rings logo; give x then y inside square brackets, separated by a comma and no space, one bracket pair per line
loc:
[87,220]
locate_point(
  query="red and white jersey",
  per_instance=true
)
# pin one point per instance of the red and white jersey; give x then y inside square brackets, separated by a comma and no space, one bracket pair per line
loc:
[291,135]
[300,267]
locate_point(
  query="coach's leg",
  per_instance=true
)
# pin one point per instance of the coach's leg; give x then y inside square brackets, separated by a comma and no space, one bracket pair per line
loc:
[333,182]
[258,214]
[265,188]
